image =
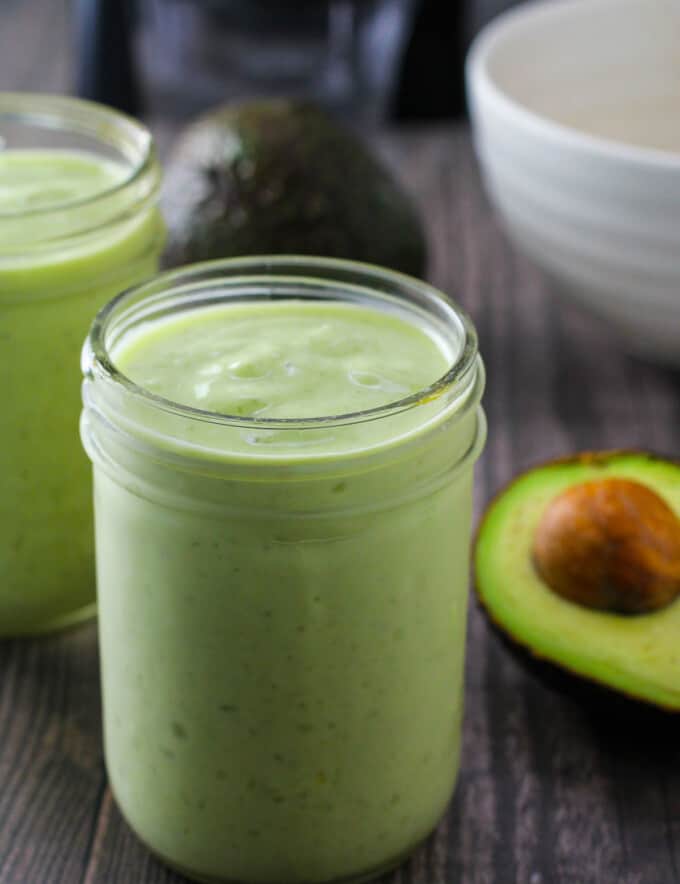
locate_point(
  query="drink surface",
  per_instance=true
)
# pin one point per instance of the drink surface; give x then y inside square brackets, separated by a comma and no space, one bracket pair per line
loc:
[285,359]
[36,180]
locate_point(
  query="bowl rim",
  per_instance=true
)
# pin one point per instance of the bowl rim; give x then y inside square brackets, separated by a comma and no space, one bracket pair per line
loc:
[481,84]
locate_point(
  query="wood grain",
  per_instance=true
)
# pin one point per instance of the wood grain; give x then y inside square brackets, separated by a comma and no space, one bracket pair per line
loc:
[551,791]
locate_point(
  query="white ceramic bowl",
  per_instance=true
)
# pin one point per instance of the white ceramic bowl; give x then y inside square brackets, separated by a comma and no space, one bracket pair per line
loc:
[576,117]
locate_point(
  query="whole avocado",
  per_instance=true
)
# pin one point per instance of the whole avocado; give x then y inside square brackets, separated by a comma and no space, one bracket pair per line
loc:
[282,177]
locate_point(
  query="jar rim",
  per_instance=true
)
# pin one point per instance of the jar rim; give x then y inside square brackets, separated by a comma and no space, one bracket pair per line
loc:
[79,116]
[461,376]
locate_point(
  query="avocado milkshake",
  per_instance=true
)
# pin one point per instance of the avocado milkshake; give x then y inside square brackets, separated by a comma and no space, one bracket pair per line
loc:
[283,455]
[77,224]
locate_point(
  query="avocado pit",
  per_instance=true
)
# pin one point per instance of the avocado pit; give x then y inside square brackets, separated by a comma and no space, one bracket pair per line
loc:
[610,544]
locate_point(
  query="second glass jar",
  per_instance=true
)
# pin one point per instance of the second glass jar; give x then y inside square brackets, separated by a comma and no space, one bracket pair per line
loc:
[78,223]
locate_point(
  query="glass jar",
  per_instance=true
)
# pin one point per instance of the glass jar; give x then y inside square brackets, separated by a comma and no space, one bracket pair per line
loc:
[78,223]
[282,602]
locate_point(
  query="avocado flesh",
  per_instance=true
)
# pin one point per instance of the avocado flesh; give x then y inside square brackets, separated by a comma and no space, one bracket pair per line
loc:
[281,176]
[638,655]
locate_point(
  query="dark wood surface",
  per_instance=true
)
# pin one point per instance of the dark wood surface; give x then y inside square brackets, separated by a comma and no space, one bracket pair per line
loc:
[551,791]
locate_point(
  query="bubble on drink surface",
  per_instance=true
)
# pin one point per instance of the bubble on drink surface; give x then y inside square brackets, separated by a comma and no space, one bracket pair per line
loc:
[365,379]
[251,367]
[211,369]
[371,380]
[202,390]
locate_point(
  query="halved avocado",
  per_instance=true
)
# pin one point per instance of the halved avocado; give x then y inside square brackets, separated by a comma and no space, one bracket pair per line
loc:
[637,655]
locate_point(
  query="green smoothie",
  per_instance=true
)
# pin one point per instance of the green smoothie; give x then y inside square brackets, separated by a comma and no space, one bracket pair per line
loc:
[68,242]
[285,360]
[282,609]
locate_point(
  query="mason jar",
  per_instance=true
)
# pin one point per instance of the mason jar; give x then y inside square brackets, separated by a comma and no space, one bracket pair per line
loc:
[78,223]
[282,600]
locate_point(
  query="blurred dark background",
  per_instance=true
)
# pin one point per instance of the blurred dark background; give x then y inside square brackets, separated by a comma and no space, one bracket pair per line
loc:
[373,61]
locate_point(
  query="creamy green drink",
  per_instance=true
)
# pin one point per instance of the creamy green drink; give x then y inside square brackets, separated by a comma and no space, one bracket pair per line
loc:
[75,228]
[283,455]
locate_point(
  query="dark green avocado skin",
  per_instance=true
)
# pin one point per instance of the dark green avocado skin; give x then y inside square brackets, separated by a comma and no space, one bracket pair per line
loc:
[282,177]
[597,700]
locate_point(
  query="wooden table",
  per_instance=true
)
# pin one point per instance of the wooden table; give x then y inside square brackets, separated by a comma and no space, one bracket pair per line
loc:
[550,792]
